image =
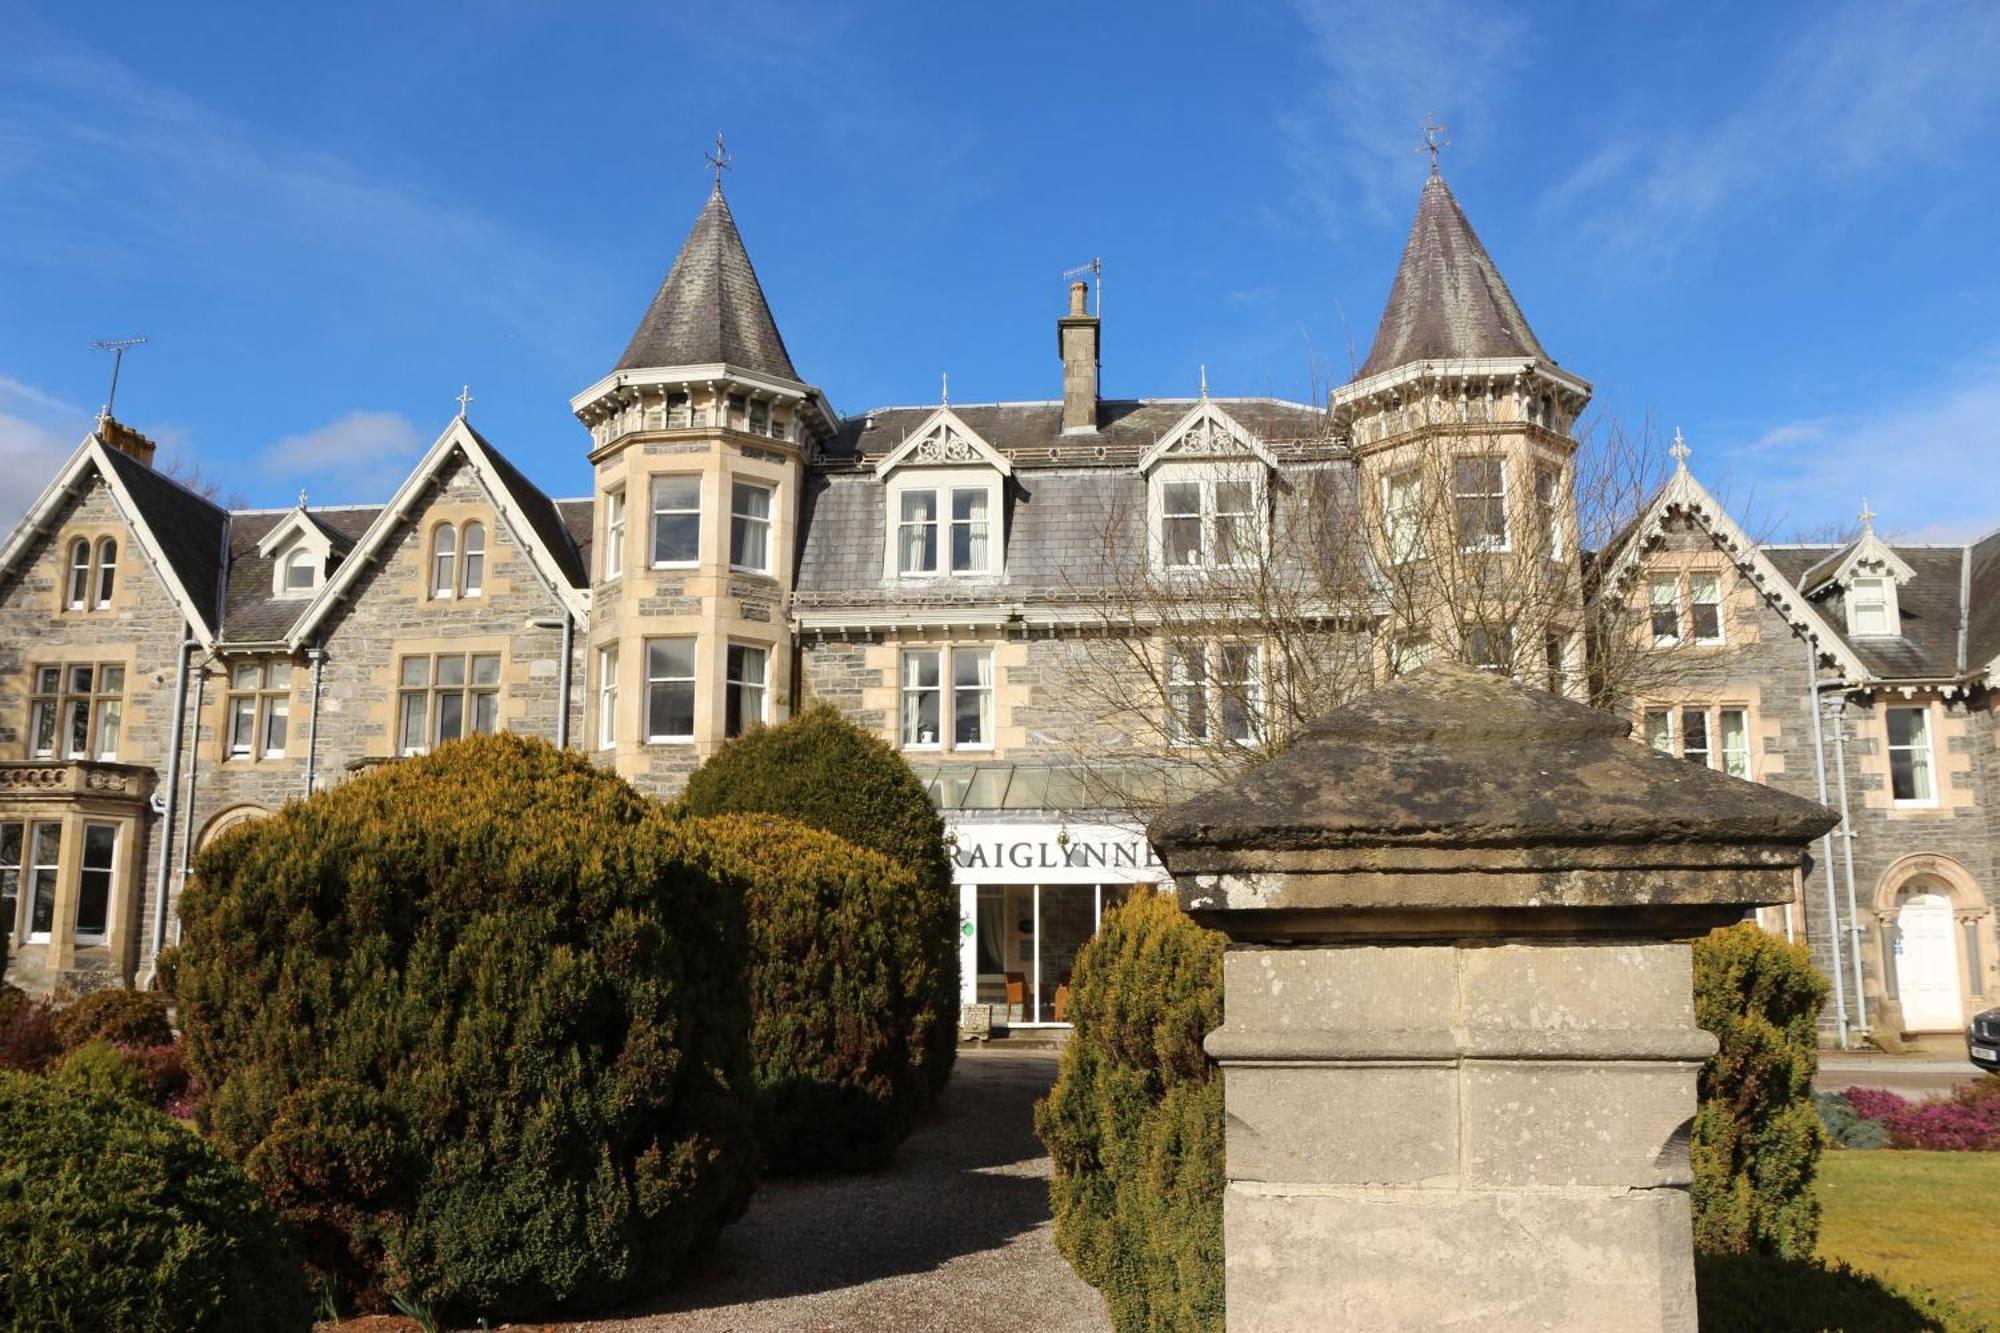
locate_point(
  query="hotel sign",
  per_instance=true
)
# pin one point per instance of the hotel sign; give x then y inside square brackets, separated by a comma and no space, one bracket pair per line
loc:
[1052,854]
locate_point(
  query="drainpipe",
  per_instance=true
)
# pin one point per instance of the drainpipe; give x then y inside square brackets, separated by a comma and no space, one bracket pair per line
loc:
[1847,836]
[318,658]
[194,772]
[172,790]
[1832,905]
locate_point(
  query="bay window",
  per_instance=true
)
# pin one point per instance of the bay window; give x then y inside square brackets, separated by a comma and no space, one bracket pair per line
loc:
[93,886]
[745,687]
[669,690]
[1479,491]
[1548,510]
[614,533]
[676,520]
[607,697]
[750,527]
[1402,515]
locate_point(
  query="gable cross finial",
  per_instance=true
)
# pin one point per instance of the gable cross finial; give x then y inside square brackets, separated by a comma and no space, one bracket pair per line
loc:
[1680,451]
[944,393]
[718,161]
[1432,143]
[302,499]
[1867,517]
[464,397]
[1204,381]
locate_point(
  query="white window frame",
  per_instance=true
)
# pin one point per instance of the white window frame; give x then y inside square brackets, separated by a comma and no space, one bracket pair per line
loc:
[614,533]
[54,711]
[469,688]
[33,869]
[1460,497]
[1892,620]
[1403,533]
[1923,755]
[104,574]
[1719,753]
[607,697]
[251,695]
[444,563]
[734,656]
[110,873]
[77,587]
[313,563]
[1199,699]
[1548,508]
[944,483]
[655,512]
[1669,584]
[944,660]
[1713,578]
[471,577]
[1248,547]
[692,680]
[743,521]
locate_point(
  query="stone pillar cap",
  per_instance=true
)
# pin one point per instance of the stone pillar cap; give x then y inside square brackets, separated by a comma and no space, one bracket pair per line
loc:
[1456,797]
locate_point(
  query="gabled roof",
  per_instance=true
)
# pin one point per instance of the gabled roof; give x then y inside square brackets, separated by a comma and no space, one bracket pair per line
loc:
[1838,567]
[943,438]
[1682,494]
[530,515]
[303,520]
[183,535]
[1449,301]
[711,307]
[1206,431]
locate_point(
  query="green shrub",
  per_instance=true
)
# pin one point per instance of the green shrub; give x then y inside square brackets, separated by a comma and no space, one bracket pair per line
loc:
[113,1216]
[836,1004]
[476,1021]
[1757,1136]
[1134,1123]
[822,770]
[98,1066]
[1755,1293]
[134,1018]
[1845,1127]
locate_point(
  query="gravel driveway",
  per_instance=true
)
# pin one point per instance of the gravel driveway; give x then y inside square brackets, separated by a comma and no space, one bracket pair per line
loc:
[955,1236]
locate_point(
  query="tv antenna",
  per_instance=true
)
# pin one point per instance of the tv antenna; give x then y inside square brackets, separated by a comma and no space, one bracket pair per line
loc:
[1095,268]
[117,347]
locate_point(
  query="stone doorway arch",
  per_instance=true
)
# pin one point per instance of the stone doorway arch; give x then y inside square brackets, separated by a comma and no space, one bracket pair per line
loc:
[228,819]
[1935,944]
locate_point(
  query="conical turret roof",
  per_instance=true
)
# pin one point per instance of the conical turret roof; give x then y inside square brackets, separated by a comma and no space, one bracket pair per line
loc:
[710,308]
[1449,301]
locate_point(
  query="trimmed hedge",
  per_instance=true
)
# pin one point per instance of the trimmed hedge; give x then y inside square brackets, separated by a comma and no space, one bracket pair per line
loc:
[132,1018]
[1755,1293]
[476,1022]
[821,769]
[1134,1123]
[1757,1135]
[113,1216]
[837,1002]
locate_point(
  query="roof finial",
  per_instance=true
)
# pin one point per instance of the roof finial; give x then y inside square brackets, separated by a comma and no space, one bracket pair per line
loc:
[944,394]
[1432,143]
[1204,381]
[719,160]
[464,397]
[302,499]
[1680,451]
[1867,517]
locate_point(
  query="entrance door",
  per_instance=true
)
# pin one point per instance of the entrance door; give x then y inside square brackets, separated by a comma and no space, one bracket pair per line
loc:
[1927,964]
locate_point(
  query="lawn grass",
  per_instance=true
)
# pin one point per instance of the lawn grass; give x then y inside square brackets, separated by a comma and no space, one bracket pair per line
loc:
[1928,1219]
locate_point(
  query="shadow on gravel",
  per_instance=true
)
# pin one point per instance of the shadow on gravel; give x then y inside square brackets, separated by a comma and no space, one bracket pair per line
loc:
[971,1178]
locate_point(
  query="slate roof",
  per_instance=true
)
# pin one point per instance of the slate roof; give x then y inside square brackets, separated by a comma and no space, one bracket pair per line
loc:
[251,613]
[1983,630]
[541,513]
[711,307]
[1031,434]
[1930,603]
[190,530]
[1449,301]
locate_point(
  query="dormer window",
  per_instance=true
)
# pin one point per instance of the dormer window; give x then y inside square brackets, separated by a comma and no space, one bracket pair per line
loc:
[944,500]
[1207,522]
[945,529]
[1871,607]
[301,571]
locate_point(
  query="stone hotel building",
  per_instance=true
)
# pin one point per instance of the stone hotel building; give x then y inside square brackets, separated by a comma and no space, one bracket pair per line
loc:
[169,668]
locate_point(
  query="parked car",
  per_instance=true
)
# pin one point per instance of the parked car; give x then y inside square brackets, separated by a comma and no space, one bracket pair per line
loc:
[1982,1040]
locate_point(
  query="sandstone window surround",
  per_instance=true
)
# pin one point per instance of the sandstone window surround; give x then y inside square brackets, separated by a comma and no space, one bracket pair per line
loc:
[1712,735]
[1215,692]
[1206,515]
[750,527]
[929,697]
[69,872]
[670,691]
[1912,759]
[76,711]
[458,560]
[444,696]
[92,574]
[1403,515]
[614,533]
[607,697]
[1548,510]
[1479,497]
[30,867]
[258,707]
[676,500]
[746,686]
[1693,601]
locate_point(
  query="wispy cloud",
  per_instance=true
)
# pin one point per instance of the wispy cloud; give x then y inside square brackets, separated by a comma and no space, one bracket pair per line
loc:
[1858,89]
[37,432]
[362,453]
[1924,463]
[1388,67]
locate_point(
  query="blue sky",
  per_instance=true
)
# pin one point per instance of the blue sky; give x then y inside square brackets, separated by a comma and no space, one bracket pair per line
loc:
[1772,226]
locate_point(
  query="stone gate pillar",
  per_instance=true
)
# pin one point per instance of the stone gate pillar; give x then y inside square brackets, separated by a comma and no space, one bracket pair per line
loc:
[1459,1050]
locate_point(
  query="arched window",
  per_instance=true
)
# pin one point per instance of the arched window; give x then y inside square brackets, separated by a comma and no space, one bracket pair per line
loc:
[107,570]
[474,547]
[79,575]
[444,551]
[300,573]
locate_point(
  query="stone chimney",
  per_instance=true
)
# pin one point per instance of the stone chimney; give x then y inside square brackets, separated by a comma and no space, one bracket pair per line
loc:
[115,434]
[1076,339]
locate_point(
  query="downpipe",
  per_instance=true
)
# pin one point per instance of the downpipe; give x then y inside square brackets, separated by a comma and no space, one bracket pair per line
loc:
[1847,837]
[1832,903]
[170,802]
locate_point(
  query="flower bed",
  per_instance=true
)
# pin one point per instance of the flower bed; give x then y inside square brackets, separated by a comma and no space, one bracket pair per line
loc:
[1966,1121]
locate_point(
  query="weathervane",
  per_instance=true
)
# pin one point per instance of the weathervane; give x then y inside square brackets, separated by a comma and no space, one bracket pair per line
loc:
[719,160]
[464,397]
[1432,143]
[117,347]
[1680,451]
